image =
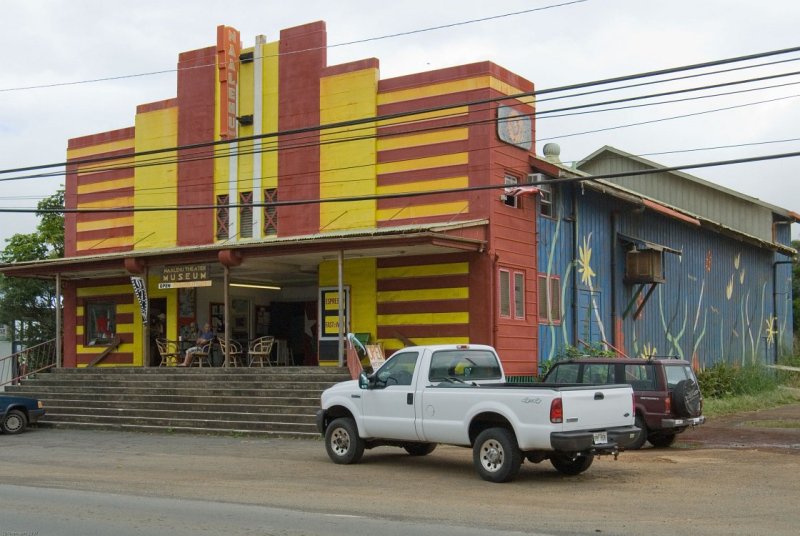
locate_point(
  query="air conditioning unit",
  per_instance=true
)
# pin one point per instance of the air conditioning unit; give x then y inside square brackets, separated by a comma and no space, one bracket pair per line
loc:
[644,266]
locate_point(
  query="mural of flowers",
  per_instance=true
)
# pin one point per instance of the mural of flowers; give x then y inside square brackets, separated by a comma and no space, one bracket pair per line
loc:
[736,260]
[769,330]
[648,351]
[585,261]
[729,288]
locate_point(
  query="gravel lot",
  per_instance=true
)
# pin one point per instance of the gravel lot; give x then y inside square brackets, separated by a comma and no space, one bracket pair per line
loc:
[737,475]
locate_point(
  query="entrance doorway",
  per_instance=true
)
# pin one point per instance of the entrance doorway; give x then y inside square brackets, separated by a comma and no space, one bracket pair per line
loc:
[158,327]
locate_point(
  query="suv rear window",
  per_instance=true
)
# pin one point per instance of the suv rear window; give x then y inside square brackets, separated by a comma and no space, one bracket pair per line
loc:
[641,377]
[676,373]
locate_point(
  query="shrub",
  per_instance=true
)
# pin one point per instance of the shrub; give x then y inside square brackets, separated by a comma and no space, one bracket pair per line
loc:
[723,380]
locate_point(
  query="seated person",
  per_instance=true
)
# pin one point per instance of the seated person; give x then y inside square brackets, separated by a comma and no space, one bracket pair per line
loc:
[205,337]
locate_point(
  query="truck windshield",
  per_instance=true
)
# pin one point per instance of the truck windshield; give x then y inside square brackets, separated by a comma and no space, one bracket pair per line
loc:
[466,365]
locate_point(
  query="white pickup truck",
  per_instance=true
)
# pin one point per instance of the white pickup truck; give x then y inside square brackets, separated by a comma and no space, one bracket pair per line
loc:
[457,395]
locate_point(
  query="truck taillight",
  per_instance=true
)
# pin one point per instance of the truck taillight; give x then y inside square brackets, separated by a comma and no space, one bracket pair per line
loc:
[556,411]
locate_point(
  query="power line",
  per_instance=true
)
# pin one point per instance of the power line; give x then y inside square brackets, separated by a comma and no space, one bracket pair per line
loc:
[378,197]
[358,41]
[386,117]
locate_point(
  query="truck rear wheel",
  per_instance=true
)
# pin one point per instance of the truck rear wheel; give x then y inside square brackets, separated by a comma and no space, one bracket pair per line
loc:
[661,440]
[641,437]
[342,441]
[571,464]
[496,456]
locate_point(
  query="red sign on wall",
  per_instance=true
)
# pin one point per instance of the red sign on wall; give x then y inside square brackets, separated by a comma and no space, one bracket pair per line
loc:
[228,48]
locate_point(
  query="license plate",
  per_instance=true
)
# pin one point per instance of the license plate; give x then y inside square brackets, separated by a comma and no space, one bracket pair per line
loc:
[600,438]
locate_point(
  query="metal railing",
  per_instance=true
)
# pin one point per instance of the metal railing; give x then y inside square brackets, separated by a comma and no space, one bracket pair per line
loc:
[24,363]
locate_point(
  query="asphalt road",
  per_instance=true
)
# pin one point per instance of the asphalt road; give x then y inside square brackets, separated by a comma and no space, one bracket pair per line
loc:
[234,485]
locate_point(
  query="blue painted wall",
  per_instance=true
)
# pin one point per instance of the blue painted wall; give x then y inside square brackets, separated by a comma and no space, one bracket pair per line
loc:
[723,299]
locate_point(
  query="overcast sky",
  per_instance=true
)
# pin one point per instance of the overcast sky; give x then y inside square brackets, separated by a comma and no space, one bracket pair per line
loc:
[60,41]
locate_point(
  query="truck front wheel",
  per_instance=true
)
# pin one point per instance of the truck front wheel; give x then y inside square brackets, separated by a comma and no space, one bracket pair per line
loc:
[342,441]
[496,455]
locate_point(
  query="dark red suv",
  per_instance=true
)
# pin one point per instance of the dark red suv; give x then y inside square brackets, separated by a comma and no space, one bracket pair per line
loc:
[668,399]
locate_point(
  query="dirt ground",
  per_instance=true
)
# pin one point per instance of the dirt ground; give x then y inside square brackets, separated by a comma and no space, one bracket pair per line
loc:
[733,476]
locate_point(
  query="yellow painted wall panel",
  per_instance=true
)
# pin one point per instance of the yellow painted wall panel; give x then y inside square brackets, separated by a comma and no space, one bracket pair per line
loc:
[110,290]
[105,186]
[347,168]
[445,88]
[156,186]
[269,115]
[92,150]
[422,211]
[423,319]
[396,344]
[122,241]
[116,202]
[360,275]
[105,224]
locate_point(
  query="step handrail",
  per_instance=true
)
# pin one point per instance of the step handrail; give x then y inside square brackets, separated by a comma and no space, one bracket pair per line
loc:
[24,363]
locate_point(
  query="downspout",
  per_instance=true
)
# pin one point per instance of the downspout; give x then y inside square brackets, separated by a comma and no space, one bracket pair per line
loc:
[340,344]
[226,297]
[58,320]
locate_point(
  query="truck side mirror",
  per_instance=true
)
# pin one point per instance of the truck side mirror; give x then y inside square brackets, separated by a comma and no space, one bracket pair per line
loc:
[363,381]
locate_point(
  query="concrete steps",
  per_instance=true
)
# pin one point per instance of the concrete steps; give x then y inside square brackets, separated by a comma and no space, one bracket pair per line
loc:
[271,402]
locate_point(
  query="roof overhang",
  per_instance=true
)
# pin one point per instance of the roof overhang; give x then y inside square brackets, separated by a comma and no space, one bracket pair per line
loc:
[293,260]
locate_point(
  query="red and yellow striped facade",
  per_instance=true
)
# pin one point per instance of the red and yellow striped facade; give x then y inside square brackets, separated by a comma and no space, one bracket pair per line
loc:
[424,132]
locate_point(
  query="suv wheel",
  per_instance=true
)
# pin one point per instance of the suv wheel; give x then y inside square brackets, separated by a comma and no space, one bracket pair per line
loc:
[641,437]
[686,399]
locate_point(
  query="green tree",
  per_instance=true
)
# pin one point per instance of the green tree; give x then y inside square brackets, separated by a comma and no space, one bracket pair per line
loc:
[28,305]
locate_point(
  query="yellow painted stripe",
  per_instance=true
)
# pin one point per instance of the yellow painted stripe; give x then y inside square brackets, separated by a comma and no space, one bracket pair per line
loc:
[104,186]
[422,211]
[125,221]
[422,294]
[423,318]
[88,245]
[110,290]
[396,344]
[79,330]
[128,307]
[452,112]
[425,186]
[100,148]
[453,159]
[106,165]
[446,88]
[418,140]
[114,202]
[424,270]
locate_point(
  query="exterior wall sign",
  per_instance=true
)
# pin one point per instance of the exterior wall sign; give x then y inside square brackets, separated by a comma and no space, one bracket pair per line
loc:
[140,291]
[228,48]
[329,312]
[184,276]
[514,127]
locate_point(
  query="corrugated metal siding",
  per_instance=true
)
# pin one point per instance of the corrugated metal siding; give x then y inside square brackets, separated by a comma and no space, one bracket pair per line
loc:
[716,304]
[697,198]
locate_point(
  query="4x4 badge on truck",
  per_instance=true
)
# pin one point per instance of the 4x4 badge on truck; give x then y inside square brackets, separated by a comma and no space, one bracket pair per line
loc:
[529,400]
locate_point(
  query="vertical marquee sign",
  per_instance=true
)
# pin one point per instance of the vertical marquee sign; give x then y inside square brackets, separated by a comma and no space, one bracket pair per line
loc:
[329,312]
[228,48]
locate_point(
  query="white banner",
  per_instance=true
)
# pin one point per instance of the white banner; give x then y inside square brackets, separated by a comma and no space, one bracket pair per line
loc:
[140,290]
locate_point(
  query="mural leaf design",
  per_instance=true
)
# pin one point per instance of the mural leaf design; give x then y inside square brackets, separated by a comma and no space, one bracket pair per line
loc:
[585,261]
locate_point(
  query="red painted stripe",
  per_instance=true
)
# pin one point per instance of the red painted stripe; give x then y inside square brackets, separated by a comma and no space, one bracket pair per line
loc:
[417,260]
[100,216]
[423,151]
[303,58]
[419,127]
[121,318]
[111,232]
[431,199]
[101,137]
[424,103]
[116,358]
[423,331]
[119,153]
[104,282]
[103,176]
[420,175]
[117,299]
[155,106]
[70,218]
[433,306]
[444,218]
[196,109]
[70,338]
[99,250]
[425,282]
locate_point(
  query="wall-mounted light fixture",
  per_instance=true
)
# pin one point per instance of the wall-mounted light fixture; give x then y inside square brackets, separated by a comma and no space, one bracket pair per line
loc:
[253,285]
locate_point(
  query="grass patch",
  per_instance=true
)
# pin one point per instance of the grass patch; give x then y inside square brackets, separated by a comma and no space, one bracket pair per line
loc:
[717,407]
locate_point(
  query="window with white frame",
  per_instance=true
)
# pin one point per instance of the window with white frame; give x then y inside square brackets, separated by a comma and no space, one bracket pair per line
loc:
[547,205]
[549,299]
[510,181]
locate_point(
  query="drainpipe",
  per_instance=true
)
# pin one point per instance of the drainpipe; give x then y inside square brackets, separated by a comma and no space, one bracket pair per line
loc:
[226,297]
[341,307]
[58,321]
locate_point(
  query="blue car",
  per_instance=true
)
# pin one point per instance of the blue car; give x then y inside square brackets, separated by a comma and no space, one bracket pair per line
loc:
[17,412]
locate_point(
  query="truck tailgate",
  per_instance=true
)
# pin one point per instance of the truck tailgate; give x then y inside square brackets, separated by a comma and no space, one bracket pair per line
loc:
[593,407]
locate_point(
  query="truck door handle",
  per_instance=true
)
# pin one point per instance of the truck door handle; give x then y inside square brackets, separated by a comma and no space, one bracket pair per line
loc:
[410,399]
[599,396]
